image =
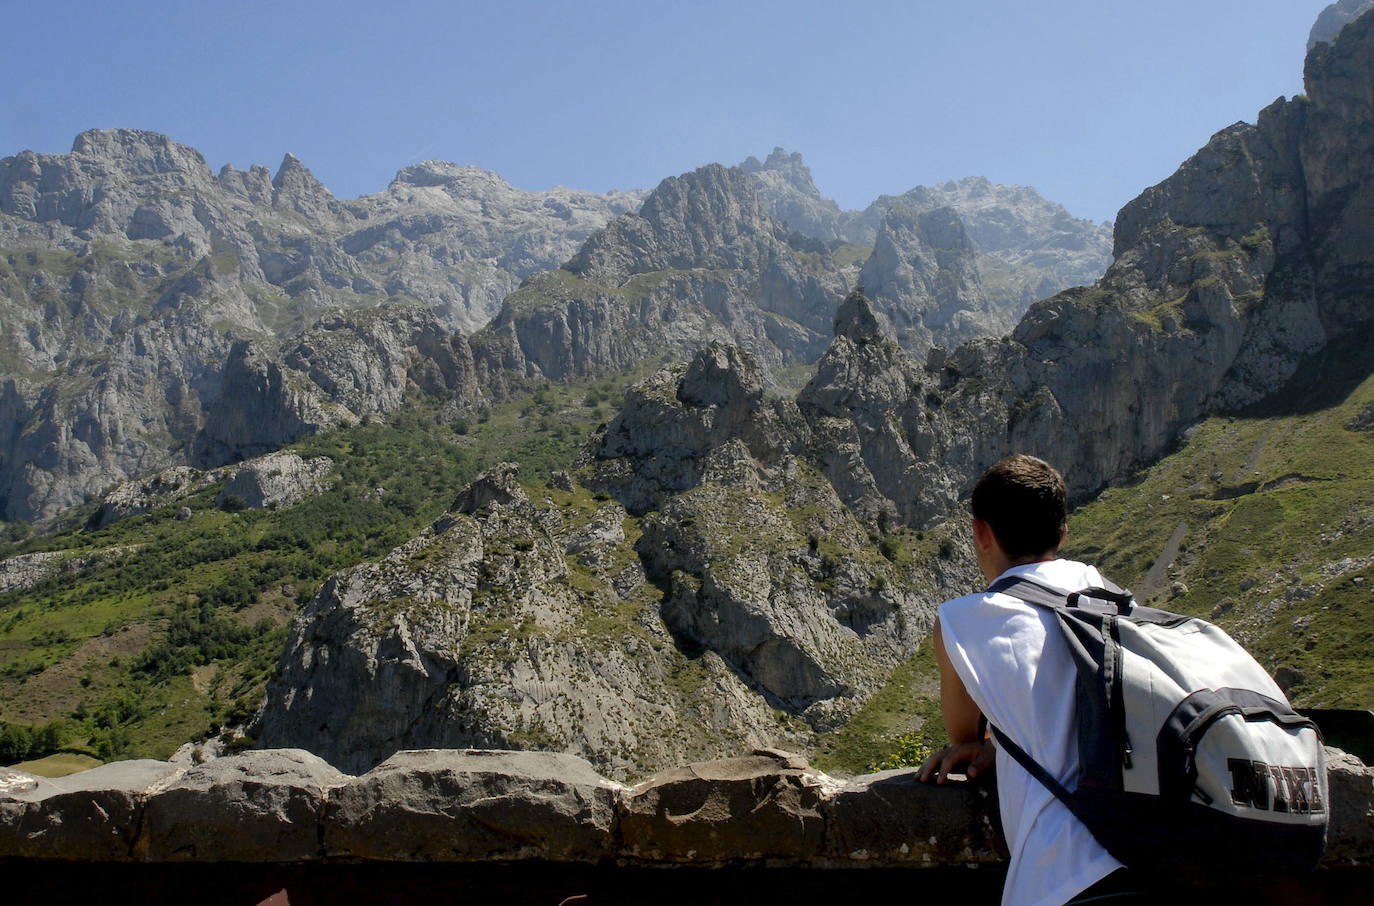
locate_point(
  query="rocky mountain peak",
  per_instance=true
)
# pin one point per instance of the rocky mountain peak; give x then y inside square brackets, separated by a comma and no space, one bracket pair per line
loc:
[140,153]
[783,167]
[790,195]
[706,218]
[292,175]
[298,189]
[724,375]
[1334,18]
[856,319]
[923,277]
[499,485]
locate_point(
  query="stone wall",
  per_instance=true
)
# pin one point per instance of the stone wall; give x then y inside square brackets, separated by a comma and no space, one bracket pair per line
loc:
[536,819]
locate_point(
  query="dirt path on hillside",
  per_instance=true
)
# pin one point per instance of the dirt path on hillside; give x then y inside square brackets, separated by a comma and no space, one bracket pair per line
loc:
[1159,572]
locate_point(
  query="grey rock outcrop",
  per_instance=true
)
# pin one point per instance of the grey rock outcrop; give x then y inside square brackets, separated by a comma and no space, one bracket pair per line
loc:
[24,571]
[790,195]
[700,261]
[346,367]
[272,481]
[128,272]
[1016,247]
[923,277]
[483,632]
[1028,246]
[276,481]
[133,498]
[1334,18]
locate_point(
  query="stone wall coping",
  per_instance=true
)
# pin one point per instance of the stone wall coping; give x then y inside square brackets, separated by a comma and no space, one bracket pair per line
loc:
[767,808]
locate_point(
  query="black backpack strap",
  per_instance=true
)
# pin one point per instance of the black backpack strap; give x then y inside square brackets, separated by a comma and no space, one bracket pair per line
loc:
[1046,779]
[1044,596]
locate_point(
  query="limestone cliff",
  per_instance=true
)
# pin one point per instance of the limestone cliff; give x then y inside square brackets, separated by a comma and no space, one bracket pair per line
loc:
[713,591]
[1249,257]
[701,260]
[128,271]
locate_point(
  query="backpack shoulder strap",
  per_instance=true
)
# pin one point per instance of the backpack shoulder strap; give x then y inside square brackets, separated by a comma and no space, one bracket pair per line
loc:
[1044,596]
[1036,770]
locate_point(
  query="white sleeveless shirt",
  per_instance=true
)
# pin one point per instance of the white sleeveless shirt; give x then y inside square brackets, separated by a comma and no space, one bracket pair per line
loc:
[1018,670]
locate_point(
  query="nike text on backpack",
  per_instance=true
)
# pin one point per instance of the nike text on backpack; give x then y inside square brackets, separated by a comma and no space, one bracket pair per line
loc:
[1191,762]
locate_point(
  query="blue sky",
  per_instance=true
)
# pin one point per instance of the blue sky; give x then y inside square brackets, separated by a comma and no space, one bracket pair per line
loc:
[1090,102]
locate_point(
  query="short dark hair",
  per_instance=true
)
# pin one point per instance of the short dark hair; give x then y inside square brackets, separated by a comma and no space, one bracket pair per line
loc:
[1024,500]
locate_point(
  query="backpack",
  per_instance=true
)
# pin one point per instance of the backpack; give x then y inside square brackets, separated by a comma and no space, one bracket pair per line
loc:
[1191,761]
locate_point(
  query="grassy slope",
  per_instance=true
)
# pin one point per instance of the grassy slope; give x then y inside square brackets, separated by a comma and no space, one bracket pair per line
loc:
[1264,523]
[149,648]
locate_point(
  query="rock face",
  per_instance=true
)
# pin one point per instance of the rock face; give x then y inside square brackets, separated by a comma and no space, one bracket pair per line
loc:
[346,367]
[273,481]
[788,193]
[276,481]
[1334,18]
[700,261]
[734,590]
[946,263]
[128,271]
[1028,247]
[923,278]
[1226,274]
[484,631]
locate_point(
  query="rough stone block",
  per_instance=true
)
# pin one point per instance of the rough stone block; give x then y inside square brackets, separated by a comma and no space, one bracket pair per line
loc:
[1350,834]
[762,806]
[474,805]
[90,815]
[893,818]
[263,806]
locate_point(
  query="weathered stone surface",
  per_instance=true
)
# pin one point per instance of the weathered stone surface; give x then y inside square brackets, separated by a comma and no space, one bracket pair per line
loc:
[257,806]
[346,367]
[134,270]
[26,570]
[1334,18]
[700,261]
[1350,835]
[474,805]
[790,195]
[923,277]
[276,481]
[761,806]
[464,805]
[892,818]
[132,498]
[484,632]
[89,816]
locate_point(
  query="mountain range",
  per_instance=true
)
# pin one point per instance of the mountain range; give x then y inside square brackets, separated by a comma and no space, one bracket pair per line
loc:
[747,548]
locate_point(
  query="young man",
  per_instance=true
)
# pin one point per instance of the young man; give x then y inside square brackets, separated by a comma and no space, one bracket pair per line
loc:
[1002,658]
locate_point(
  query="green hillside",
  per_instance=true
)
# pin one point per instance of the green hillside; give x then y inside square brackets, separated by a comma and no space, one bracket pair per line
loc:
[171,628]
[1263,522]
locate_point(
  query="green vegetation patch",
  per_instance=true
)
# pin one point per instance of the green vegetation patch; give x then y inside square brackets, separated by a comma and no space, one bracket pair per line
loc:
[898,727]
[1264,523]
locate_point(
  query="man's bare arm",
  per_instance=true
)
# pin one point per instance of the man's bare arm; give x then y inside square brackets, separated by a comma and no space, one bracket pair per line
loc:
[962,720]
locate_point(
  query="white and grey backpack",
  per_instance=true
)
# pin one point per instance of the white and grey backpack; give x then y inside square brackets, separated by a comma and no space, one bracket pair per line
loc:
[1191,761]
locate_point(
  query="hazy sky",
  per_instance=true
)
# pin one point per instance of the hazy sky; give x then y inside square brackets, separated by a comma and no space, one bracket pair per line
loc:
[1089,101]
